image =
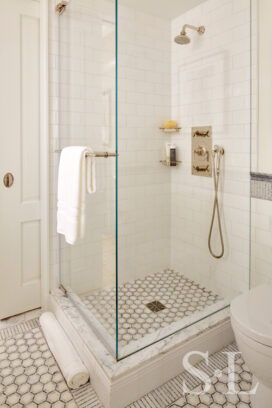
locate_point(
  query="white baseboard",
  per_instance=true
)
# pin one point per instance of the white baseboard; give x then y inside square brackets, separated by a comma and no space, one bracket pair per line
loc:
[151,375]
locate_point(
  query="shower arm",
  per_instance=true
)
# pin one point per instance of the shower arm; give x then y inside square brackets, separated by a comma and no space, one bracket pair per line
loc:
[200,30]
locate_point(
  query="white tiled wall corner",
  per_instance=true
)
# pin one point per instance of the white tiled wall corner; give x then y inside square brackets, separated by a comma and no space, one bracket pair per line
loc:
[211,86]
[261,235]
[144,104]
[164,214]
[261,210]
[255,84]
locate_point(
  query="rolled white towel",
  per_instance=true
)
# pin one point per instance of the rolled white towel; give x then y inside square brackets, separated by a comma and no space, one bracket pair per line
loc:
[73,370]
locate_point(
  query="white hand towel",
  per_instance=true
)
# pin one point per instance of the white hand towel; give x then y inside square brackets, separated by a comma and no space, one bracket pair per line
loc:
[76,177]
[72,368]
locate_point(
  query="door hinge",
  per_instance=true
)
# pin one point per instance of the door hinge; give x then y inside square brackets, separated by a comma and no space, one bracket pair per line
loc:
[60,7]
[62,288]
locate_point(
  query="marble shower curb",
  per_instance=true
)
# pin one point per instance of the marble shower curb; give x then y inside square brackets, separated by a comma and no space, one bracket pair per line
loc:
[118,384]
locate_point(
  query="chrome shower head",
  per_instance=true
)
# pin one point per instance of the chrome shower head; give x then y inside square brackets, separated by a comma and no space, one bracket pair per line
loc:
[182,38]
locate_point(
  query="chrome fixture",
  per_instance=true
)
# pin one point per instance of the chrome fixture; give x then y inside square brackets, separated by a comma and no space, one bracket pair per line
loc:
[97,154]
[60,7]
[217,154]
[183,38]
[201,151]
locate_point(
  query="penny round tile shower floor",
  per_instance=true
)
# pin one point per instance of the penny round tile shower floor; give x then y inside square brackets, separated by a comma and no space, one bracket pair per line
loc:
[178,296]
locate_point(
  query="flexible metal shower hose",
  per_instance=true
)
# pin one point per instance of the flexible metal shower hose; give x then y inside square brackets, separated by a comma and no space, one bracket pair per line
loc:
[216,158]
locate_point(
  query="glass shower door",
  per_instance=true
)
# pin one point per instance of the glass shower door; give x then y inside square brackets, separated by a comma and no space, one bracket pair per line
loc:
[86,88]
[143,270]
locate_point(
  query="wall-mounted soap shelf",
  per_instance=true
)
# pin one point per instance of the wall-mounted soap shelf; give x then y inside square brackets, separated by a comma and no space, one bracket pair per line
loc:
[170,163]
[170,130]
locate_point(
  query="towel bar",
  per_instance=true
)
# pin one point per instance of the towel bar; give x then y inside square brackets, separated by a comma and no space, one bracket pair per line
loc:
[97,154]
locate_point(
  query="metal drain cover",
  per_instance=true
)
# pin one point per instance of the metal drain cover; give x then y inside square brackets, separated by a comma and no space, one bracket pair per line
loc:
[155,306]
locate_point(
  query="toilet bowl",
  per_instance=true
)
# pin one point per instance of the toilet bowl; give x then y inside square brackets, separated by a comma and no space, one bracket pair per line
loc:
[251,318]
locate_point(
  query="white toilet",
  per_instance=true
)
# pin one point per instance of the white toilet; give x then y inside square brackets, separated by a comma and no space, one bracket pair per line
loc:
[251,318]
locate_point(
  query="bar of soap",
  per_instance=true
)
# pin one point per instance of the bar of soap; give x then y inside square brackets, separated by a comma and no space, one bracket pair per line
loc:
[171,124]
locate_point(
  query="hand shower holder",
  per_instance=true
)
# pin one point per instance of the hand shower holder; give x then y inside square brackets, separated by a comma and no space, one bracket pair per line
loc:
[218,149]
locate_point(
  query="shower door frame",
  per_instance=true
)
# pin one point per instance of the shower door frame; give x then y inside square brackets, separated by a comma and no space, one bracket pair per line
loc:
[44,151]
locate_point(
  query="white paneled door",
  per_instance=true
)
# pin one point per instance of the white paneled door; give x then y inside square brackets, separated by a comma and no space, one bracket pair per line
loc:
[20,214]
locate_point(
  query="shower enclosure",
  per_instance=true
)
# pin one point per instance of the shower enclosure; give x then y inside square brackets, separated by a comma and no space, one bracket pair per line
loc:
[143,270]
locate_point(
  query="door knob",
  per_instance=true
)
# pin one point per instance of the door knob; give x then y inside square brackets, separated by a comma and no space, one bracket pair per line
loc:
[8,180]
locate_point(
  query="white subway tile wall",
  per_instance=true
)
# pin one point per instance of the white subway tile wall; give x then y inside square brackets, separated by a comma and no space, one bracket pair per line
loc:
[261,210]
[164,213]
[144,104]
[211,86]
[261,235]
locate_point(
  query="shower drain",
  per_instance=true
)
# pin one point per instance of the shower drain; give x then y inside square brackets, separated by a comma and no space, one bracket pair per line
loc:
[155,306]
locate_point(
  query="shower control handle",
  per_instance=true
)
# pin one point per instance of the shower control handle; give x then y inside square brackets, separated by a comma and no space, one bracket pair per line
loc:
[201,168]
[202,151]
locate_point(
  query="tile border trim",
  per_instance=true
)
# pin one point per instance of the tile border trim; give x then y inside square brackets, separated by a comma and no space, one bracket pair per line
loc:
[260,176]
[261,186]
[11,331]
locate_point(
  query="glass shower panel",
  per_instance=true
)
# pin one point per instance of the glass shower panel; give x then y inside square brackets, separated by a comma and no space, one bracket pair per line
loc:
[86,87]
[167,277]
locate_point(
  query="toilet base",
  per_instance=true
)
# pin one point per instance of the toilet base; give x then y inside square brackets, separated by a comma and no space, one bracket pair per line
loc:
[263,396]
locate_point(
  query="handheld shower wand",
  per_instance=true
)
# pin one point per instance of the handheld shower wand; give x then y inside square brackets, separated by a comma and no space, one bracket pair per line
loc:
[217,153]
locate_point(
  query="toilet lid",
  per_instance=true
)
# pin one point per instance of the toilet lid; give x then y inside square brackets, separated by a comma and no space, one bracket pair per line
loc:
[252,314]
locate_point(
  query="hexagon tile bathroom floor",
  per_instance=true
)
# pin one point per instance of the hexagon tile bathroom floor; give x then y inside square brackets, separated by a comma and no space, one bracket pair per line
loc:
[30,377]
